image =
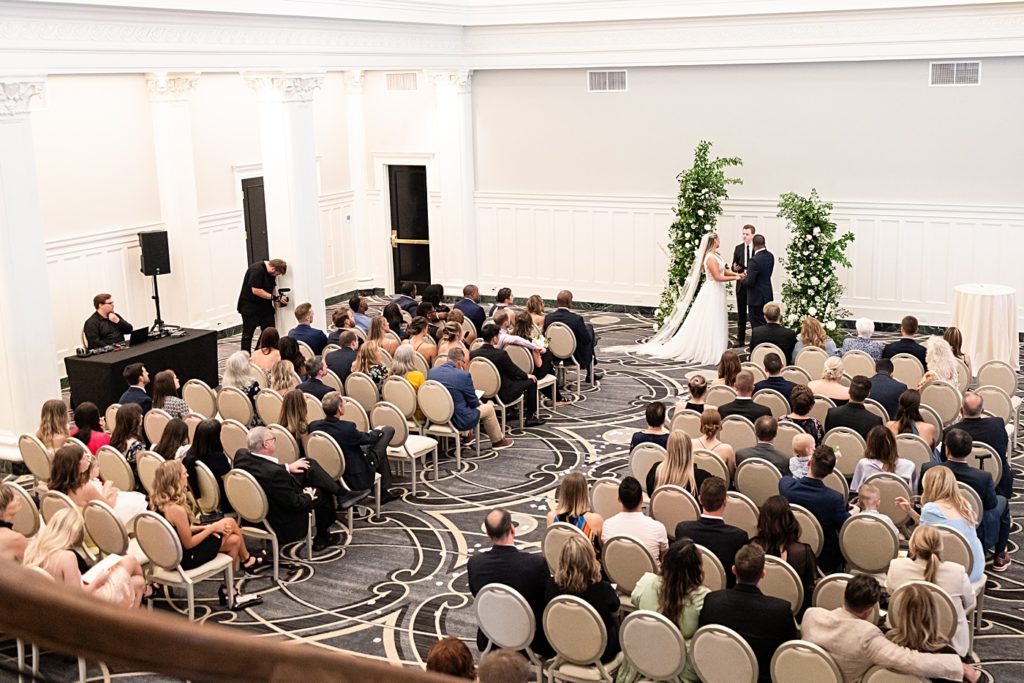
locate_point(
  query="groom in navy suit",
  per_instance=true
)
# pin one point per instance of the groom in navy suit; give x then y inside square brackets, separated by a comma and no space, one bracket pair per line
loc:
[758,279]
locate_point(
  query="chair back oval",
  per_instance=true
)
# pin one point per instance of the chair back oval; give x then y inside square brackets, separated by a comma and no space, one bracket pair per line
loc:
[963,376]
[796,375]
[154,422]
[110,417]
[477,343]
[521,357]
[973,498]
[891,487]
[838,483]
[758,479]
[419,361]
[355,414]
[146,464]
[322,448]
[27,520]
[287,450]
[946,612]
[485,377]
[653,644]
[997,402]
[360,335]
[829,592]
[604,497]
[52,502]
[330,348]
[687,421]
[907,369]
[35,456]
[114,468]
[555,538]
[738,432]
[773,401]
[810,528]
[332,380]
[857,362]
[563,341]
[386,414]
[435,402]
[400,392]
[781,581]
[800,660]
[671,505]
[268,405]
[104,528]
[234,404]
[756,370]
[642,458]
[158,540]
[362,389]
[877,674]
[468,328]
[846,380]
[931,417]
[721,654]
[956,547]
[575,630]
[741,513]
[712,463]
[718,395]
[247,497]
[784,437]
[209,489]
[259,375]
[762,350]
[505,616]
[913,448]
[714,572]
[868,543]
[876,408]
[625,560]
[819,410]
[812,359]
[200,397]
[305,349]
[440,360]
[849,445]
[233,436]
[1000,374]
[385,358]
[944,398]
[314,408]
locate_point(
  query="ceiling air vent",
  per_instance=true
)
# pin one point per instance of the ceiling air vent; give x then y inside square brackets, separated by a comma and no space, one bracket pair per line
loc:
[606,81]
[955,73]
[405,80]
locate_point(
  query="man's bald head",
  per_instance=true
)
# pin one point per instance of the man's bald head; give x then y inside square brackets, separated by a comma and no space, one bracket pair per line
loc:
[973,404]
[498,524]
[564,299]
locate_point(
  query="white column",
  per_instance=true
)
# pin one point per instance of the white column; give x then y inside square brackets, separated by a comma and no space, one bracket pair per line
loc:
[288,145]
[456,250]
[184,293]
[358,169]
[27,340]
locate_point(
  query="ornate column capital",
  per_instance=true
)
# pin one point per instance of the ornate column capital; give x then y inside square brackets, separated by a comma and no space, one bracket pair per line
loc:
[164,87]
[287,87]
[355,79]
[17,95]
[460,80]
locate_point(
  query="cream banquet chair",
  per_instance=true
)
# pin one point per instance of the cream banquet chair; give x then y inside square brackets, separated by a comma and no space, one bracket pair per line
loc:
[784,437]
[287,448]
[741,513]
[984,457]
[762,350]
[577,634]
[154,422]
[209,490]
[721,654]
[322,448]
[944,398]
[306,350]
[796,375]
[877,674]
[756,370]
[440,360]
[858,363]
[868,543]
[907,369]
[234,404]
[625,560]
[718,395]
[671,505]
[200,397]
[998,374]
[799,660]
[477,343]
[35,457]
[192,421]
[362,389]
[360,335]
[562,347]
[259,375]
[268,406]
[355,414]
[812,359]
[963,376]
[956,548]
[108,533]
[524,361]
[654,645]
[162,546]
[1000,404]
[385,358]
[810,528]
[838,483]
[404,447]
[913,448]
[468,328]
[688,421]
[738,432]
[781,581]
[931,417]
[330,348]
[438,407]
[973,498]
[947,617]
[487,379]
[332,380]
[642,458]
[876,408]
[774,401]
[890,487]
[758,479]
[849,447]
[114,468]
[830,591]
[555,538]
[604,497]
[400,393]
[110,417]
[419,361]
[819,410]
[27,521]
[146,465]
[234,436]
[508,621]
[314,409]
[714,572]
[712,463]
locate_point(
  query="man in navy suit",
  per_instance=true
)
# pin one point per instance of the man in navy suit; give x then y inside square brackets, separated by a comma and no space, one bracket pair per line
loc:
[305,332]
[469,411]
[758,281]
[586,337]
[137,377]
[314,386]
[987,430]
[827,506]
[340,362]
[470,306]
[406,300]
[884,388]
[906,343]
[775,380]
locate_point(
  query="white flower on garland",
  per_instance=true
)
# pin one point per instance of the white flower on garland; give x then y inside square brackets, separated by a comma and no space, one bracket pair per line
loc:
[815,281]
[812,310]
[830,325]
[700,212]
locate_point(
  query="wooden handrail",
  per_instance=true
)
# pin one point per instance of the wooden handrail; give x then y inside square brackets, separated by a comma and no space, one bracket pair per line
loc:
[73,623]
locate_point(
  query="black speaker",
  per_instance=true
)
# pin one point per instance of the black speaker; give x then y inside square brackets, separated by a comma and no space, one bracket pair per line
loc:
[156,259]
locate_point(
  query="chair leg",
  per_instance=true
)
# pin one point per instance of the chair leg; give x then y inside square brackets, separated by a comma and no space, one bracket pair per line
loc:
[276,551]
[458,450]
[376,495]
[35,661]
[412,458]
[21,658]
[83,670]
[191,594]
[478,439]
[436,470]
[309,537]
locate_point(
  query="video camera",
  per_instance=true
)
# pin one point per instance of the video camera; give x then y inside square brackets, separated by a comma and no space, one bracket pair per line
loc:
[281,298]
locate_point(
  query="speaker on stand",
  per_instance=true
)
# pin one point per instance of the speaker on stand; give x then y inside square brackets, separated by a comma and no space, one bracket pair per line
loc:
[156,261]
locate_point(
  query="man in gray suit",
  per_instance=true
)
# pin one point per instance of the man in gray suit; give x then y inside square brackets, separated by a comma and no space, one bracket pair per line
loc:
[766,429]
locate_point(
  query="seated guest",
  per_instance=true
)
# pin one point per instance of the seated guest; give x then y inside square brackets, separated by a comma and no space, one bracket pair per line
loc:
[104,327]
[987,430]
[908,419]
[675,592]
[995,520]
[406,299]
[366,453]
[451,657]
[207,449]
[711,531]
[924,563]
[174,442]
[586,338]
[766,429]
[289,349]
[942,364]
[856,644]
[314,383]
[854,414]
[502,300]
[803,448]
[778,534]
[403,366]
[955,340]
[293,417]
[451,338]
[775,380]
[862,342]
[526,572]
[12,543]
[579,574]
[573,507]
[239,373]
[801,402]
[677,468]
[165,394]
[392,315]
[369,362]
[283,377]
[53,424]
[467,337]
[379,326]
[137,377]
[127,437]
[654,415]
[503,666]
[52,551]
[698,387]
[729,367]
[813,334]
[267,354]
[470,306]
[535,307]
[522,334]
[884,388]
[914,617]
[426,311]
[89,427]
[359,305]
[869,500]
[761,620]
[774,333]
[743,405]
[293,491]
[74,473]
[514,382]
[710,428]
[632,521]
[881,456]
[434,294]
[342,320]
[827,506]
[340,362]
[469,412]
[305,332]
[830,385]
[420,341]
[906,343]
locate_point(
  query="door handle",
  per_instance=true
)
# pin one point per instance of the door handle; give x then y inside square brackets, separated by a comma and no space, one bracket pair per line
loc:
[395,241]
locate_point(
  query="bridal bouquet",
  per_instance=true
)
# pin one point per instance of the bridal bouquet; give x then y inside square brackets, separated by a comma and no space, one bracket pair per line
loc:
[542,342]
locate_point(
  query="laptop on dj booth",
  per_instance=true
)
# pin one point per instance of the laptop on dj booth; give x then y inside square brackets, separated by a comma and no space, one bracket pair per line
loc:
[139,335]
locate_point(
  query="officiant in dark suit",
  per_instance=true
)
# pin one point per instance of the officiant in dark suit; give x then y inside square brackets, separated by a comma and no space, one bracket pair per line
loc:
[758,280]
[741,256]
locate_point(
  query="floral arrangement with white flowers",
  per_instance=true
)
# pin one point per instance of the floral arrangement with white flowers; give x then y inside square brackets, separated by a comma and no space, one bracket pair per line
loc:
[813,257]
[702,189]
[542,342]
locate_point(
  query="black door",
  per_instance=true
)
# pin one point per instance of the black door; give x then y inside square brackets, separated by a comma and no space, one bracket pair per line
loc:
[410,234]
[255,220]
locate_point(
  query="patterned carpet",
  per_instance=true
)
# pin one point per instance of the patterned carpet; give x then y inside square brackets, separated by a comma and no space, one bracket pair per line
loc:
[401,583]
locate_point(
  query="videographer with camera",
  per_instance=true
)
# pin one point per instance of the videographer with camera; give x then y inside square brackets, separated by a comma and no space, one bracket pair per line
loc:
[259,297]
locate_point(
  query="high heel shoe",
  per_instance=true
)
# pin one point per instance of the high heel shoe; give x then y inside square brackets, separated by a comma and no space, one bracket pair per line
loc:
[257,562]
[222,595]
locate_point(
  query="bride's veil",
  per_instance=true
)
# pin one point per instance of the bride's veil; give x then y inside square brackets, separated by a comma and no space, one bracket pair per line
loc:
[673,322]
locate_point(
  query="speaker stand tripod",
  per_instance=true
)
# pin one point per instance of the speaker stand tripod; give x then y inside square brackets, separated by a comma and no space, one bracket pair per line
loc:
[158,330]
